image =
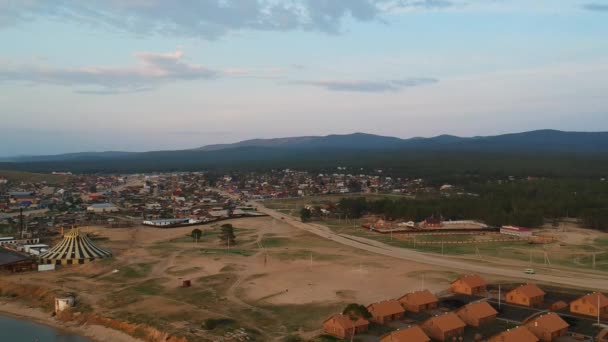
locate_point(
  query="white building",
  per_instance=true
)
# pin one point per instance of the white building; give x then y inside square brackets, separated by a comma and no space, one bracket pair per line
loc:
[102,208]
[516,231]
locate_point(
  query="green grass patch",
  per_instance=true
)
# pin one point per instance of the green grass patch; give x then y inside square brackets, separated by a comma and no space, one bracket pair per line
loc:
[601,241]
[229,268]
[233,251]
[29,177]
[274,242]
[301,254]
[150,287]
[183,272]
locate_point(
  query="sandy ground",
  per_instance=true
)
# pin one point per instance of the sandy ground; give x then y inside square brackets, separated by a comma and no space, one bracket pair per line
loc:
[95,332]
[336,272]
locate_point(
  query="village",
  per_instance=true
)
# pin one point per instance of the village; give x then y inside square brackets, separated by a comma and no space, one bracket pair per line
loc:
[197,240]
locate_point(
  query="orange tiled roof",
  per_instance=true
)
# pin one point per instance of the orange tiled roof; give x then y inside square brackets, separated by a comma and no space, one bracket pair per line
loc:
[473,280]
[447,322]
[519,334]
[592,299]
[549,322]
[411,334]
[530,290]
[385,308]
[478,310]
[419,297]
[345,322]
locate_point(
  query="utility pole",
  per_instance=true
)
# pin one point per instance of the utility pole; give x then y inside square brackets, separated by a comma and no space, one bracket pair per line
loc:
[598,309]
[593,265]
[499,294]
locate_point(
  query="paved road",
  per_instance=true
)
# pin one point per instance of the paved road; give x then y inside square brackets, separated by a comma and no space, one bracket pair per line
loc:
[514,269]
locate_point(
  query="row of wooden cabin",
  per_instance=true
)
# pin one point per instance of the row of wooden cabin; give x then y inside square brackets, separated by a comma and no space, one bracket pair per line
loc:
[451,325]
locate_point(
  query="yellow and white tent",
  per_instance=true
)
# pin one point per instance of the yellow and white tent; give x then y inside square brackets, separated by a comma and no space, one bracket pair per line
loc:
[75,248]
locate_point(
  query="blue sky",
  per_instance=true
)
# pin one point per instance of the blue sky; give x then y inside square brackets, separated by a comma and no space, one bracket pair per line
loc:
[151,74]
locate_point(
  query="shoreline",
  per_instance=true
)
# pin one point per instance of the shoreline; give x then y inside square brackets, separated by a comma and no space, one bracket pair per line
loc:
[95,333]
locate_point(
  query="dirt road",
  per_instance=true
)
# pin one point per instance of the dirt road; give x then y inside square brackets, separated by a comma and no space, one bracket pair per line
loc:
[511,269]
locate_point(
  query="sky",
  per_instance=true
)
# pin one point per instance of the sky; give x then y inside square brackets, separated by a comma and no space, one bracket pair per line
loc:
[140,75]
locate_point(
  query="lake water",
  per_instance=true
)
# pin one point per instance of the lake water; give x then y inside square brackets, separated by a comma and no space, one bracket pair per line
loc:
[14,330]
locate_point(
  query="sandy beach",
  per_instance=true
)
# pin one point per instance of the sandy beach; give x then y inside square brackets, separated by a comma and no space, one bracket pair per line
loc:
[96,333]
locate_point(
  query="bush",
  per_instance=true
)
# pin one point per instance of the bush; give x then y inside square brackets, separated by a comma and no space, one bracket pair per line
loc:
[212,323]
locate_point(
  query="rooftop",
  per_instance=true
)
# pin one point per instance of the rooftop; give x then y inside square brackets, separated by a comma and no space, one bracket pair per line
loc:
[447,322]
[519,334]
[8,257]
[529,290]
[386,308]
[550,321]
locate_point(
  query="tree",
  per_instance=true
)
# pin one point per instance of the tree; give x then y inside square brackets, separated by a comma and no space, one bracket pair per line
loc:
[305,215]
[355,312]
[227,235]
[196,234]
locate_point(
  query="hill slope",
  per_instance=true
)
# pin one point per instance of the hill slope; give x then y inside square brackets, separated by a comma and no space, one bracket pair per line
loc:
[544,152]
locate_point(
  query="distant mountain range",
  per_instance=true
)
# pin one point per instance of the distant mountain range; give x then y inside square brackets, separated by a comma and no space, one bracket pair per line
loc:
[540,140]
[323,149]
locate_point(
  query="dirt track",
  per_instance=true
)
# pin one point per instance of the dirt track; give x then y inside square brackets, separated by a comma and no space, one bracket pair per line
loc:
[513,269]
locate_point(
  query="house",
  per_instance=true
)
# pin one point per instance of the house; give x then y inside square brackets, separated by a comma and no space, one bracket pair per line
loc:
[410,334]
[519,334]
[343,327]
[590,305]
[432,222]
[102,208]
[444,328]
[516,231]
[526,295]
[548,327]
[386,311]
[419,301]
[477,314]
[469,285]
[11,261]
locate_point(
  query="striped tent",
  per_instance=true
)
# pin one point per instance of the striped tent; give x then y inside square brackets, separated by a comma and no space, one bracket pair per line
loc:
[75,248]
